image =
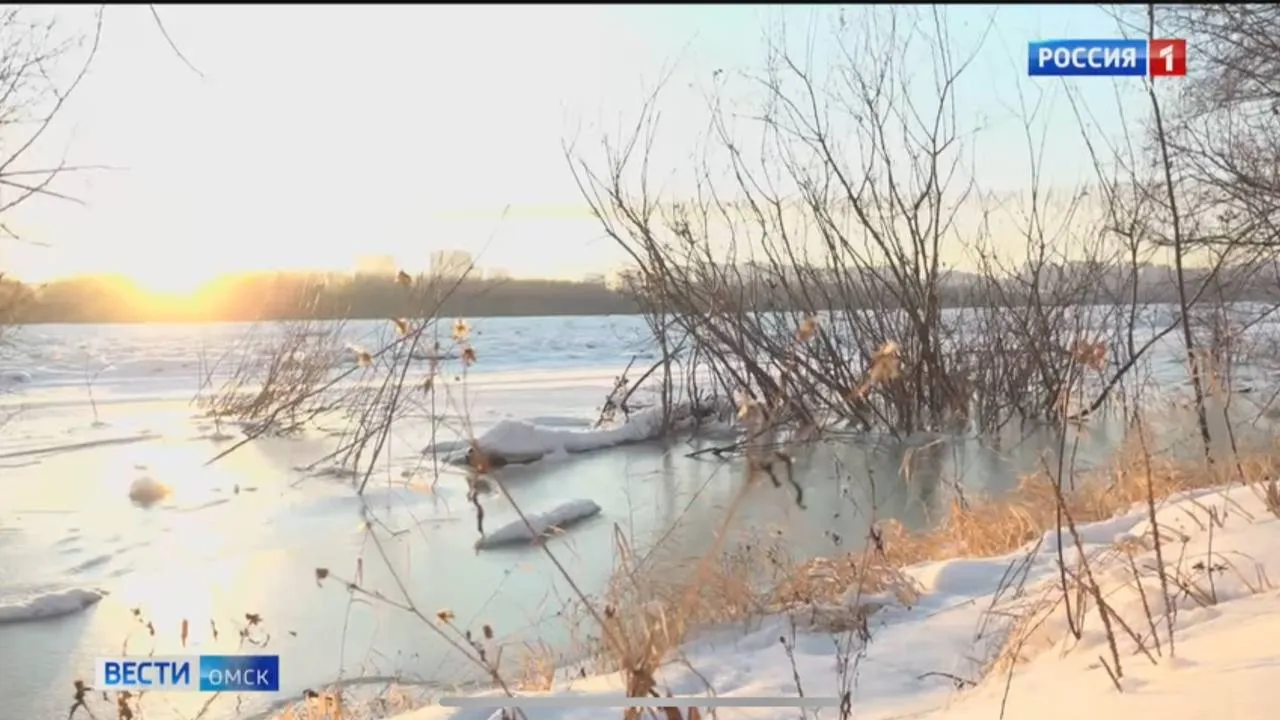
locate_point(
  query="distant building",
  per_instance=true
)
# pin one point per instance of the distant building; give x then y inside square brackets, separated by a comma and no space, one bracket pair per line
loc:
[497,274]
[450,263]
[594,279]
[376,265]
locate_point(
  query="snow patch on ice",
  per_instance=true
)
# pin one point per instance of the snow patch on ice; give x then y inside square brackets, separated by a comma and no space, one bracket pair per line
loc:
[522,441]
[540,525]
[48,605]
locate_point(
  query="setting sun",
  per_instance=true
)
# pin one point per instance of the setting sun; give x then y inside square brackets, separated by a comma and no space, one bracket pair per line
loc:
[171,285]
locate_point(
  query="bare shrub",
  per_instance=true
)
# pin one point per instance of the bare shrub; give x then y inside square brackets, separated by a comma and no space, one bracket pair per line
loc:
[30,100]
[850,216]
[835,231]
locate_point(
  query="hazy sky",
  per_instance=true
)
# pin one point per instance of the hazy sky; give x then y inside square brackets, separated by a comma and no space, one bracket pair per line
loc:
[319,134]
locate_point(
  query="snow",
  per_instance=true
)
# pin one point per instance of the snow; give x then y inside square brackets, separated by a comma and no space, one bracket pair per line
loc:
[540,524]
[523,441]
[944,652]
[48,605]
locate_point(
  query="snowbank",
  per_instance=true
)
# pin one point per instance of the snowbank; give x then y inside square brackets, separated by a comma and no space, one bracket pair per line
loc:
[543,524]
[521,441]
[48,605]
[944,656]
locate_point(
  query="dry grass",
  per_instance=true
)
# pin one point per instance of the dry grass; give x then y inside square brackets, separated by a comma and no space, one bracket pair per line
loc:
[538,665]
[990,527]
[664,593]
[1272,496]
[653,606]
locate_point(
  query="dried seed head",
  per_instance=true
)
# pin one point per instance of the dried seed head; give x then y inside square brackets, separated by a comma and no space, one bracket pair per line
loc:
[363,358]
[808,328]
[1091,355]
[886,365]
[460,330]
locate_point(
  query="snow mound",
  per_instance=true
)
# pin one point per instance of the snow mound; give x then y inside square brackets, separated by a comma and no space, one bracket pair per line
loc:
[49,605]
[147,492]
[1221,546]
[521,441]
[543,524]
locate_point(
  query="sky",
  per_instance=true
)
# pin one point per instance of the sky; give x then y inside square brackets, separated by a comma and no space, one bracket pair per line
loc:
[313,135]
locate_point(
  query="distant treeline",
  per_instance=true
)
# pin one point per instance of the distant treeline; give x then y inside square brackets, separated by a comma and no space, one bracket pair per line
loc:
[294,296]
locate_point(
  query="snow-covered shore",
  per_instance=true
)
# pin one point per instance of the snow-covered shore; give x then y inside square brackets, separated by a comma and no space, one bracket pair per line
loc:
[246,533]
[947,654]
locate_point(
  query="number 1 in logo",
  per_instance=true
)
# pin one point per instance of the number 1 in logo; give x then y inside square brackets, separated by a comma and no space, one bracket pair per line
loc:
[1168,58]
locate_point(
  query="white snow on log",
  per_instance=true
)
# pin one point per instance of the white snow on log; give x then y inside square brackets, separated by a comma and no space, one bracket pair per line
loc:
[540,525]
[48,605]
[521,441]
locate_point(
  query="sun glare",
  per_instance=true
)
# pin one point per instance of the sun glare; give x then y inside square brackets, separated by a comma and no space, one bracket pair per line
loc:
[170,285]
[171,290]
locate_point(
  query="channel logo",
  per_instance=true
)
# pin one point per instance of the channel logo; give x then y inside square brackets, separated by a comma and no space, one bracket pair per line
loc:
[200,673]
[1107,58]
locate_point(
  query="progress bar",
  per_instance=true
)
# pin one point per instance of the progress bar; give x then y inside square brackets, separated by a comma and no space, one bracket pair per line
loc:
[621,701]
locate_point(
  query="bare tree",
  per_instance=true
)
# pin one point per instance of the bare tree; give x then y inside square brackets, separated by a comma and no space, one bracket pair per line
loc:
[1203,187]
[32,46]
[30,100]
[842,207]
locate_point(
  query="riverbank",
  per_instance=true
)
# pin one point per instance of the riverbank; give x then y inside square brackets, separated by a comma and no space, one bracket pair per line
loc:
[94,412]
[245,535]
[1167,624]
